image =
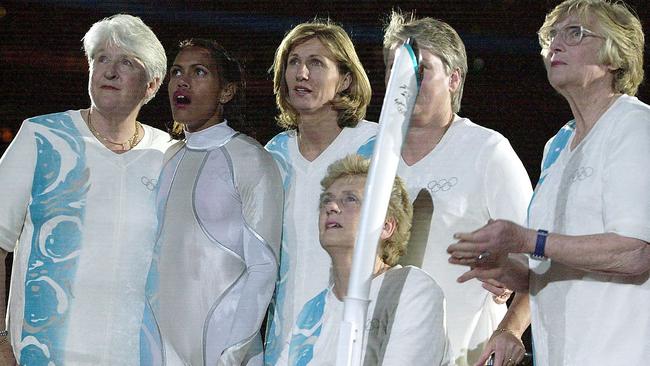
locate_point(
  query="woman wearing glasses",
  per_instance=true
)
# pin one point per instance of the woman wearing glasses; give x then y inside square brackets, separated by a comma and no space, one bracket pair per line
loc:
[405,322]
[322,92]
[589,219]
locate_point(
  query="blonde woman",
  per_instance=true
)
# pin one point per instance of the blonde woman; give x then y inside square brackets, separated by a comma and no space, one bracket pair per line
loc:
[471,173]
[589,224]
[322,92]
[406,313]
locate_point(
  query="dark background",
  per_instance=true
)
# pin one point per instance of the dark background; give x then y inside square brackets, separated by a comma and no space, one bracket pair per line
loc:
[43,69]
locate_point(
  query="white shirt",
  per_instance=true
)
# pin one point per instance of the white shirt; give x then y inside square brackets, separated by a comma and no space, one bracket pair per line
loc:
[472,175]
[82,222]
[214,268]
[406,315]
[304,265]
[603,185]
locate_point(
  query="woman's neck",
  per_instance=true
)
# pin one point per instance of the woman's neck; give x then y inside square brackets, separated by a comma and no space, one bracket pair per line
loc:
[341,267]
[314,136]
[114,129]
[587,108]
[113,125]
[423,138]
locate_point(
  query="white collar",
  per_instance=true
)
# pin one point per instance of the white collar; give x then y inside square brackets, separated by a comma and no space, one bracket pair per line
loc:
[211,137]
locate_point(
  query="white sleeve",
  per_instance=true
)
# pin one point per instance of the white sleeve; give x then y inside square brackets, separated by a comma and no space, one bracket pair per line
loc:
[17,167]
[260,188]
[506,185]
[418,335]
[626,177]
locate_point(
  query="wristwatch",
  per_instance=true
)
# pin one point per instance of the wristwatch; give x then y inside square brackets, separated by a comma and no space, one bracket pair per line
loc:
[540,245]
[4,336]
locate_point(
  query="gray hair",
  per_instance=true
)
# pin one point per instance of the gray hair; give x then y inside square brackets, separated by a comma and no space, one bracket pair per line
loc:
[435,36]
[133,36]
[621,29]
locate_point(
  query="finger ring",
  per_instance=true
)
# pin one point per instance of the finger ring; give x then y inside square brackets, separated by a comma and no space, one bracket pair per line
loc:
[501,299]
[506,294]
[510,361]
[483,255]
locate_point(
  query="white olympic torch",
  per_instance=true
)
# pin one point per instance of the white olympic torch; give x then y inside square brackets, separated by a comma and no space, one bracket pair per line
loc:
[401,92]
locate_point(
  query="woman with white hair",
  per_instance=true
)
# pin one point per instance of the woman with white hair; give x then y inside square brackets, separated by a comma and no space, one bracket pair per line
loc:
[77,195]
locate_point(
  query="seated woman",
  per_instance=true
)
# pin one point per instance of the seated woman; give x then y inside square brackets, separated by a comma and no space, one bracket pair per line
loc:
[322,92]
[220,208]
[406,314]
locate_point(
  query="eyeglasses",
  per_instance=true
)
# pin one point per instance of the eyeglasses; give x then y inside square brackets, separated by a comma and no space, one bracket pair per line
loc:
[348,200]
[571,35]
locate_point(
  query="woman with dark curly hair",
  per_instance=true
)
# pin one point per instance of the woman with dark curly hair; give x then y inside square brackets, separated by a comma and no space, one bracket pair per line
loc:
[220,209]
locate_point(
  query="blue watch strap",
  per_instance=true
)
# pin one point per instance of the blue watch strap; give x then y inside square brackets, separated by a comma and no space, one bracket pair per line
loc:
[540,244]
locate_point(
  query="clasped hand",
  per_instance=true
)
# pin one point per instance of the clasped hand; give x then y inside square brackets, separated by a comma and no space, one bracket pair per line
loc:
[487,251]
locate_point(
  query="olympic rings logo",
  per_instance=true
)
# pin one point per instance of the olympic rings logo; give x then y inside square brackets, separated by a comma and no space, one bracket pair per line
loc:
[150,184]
[582,173]
[443,184]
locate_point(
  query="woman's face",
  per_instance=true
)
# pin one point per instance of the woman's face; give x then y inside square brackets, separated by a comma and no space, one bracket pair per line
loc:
[576,67]
[340,212]
[313,78]
[195,93]
[118,82]
[433,103]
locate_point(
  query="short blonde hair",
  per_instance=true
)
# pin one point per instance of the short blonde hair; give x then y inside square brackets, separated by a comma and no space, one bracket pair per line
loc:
[435,36]
[133,36]
[351,103]
[399,205]
[621,28]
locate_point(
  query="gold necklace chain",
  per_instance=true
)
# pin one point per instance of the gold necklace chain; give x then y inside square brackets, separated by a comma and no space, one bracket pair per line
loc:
[126,145]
